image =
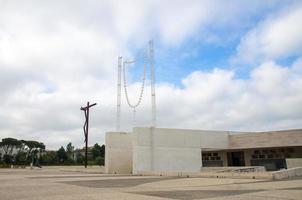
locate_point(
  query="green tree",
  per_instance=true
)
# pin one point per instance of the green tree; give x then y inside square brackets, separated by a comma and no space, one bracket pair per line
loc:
[99,160]
[8,145]
[33,148]
[49,158]
[98,151]
[69,150]
[0,153]
[8,159]
[69,147]
[70,157]
[103,151]
[21,158]
[61,155]
[21,147]
[79,158]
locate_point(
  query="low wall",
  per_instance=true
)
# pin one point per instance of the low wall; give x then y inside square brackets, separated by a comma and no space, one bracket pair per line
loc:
[293,162]
[234,169]
[289,173]
[239,175]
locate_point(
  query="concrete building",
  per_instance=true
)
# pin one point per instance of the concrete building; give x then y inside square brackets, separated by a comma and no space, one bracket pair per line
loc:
[148,149]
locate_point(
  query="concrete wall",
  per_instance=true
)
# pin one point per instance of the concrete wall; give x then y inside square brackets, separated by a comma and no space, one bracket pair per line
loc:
[118,153]
[266,139]
[289,173]
[248,156]
[159,149]
[293,162]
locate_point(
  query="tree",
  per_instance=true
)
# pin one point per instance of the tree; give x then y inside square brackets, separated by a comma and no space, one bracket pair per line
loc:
[8,145]
[99,160]
[69,150]
[0,153]
[103,151]
[49,158]
[33,148]
[69,147]
[21,158]
[34,145]
[79,158]
[98,151]
[18,151]
[21,147]
[61,155]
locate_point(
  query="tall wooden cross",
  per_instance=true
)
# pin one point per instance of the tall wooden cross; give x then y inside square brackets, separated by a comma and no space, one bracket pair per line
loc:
[85,128]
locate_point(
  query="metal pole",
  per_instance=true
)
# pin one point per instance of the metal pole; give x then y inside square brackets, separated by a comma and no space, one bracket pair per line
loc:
[118,109]
[152,77]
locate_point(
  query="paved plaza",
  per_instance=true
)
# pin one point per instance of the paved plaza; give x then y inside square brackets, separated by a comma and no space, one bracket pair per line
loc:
[55,184]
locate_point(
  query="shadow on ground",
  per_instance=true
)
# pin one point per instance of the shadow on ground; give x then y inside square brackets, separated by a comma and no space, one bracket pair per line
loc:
[115,183]
[195,194]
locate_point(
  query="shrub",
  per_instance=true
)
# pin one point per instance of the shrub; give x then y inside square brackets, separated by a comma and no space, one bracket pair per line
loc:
[7,159]
[4,166]
[90,162]
[99,160]
[21,158]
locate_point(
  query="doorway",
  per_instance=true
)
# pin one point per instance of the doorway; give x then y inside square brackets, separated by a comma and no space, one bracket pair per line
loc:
[236,158]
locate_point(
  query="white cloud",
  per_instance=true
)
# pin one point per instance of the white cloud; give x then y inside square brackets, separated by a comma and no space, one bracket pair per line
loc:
[55,56]
[278,36]
[270,99]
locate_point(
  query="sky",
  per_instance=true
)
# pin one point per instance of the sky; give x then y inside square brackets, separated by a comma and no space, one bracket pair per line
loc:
[219,65]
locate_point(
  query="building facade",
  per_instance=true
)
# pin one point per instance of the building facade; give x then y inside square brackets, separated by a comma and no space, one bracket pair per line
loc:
[148,149]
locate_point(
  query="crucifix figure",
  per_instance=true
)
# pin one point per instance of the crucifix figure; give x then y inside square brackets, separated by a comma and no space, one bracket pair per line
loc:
[85,128]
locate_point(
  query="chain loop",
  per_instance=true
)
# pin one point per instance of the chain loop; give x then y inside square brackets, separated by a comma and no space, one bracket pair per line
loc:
[146,59]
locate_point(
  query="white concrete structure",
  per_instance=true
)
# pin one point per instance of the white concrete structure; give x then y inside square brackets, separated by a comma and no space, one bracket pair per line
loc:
[118,153]
[149,149]
[158,149]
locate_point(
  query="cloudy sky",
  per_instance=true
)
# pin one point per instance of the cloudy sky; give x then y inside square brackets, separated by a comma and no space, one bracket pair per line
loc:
[220,65]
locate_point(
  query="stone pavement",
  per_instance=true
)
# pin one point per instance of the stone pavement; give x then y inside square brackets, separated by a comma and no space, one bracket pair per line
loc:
[55,184]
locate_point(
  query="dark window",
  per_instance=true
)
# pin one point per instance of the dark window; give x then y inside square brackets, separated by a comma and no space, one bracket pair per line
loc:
[287,155]
[236,158]
[261,156]
[291,150]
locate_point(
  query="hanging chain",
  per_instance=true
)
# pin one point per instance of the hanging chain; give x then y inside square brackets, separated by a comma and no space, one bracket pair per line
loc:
[146,59]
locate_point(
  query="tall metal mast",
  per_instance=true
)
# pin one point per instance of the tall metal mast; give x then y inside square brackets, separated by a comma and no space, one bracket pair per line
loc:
[118,109]
[152,77]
